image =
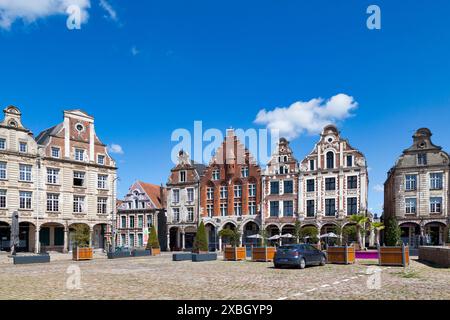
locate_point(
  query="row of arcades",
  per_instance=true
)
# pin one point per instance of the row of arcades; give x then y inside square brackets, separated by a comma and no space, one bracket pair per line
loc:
[53,236]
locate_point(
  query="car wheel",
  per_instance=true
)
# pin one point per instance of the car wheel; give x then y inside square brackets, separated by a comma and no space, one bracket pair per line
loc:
[302,263]
[323,261]
[277,266]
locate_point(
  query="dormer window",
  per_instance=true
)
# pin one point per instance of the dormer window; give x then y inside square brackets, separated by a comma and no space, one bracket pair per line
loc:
[244,172]
[13,124]
[330,160]
[422,159]
[216,174]
[23,147]
[101,159]
[284,170]
[55,152]
[311,165]
[79,154]
[349,161]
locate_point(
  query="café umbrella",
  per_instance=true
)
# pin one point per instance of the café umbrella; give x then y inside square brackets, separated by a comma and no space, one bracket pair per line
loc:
[255,236]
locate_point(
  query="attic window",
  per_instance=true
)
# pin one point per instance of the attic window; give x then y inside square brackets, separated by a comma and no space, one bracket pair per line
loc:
[79,127]
[12,123]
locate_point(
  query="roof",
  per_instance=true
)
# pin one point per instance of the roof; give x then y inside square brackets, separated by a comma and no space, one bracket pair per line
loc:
[154,193]
[200,168]
[44,135]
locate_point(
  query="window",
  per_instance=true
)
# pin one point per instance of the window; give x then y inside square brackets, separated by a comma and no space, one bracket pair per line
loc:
[140,240]
[210,210]
[436,205]
[330,184]
[238,191]
[210,193]
[2,144]
[436,181]
[311,165]
[149,221]
[349,161]
[252,208]
[237,209]
[52,176]
[310,211]
[352,206]
[288,186]
[131,222]
[310,185]
[223,192]
[274,187]
[182,176]
[410,205]
[23,147]
[2,170]
[78,204]
[422,159]
[284,170]
[123,239]
[123,222]
[25,200]
[252,190]
[25,172]
[244,172]
[330,207]
[52,202]
[131,239]
[55,152]
[352,182]
[216,174]
[102,181]
[3,199]
[190,214]
[102,205]
[176,214]
[330,160]
[78,179]
[274,208]
[175,196]
[223,210]
[288,208]
[190,195]
[410,182]
[101,159]
[79,154]
[140,221]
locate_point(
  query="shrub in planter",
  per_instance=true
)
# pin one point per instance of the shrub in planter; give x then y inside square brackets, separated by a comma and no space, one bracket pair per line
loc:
[234,252]
[393,233]
[153,242]
[81,249]
[201,240]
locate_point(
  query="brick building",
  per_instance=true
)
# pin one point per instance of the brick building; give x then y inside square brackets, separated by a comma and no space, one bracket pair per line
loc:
[230,191]
[416,192]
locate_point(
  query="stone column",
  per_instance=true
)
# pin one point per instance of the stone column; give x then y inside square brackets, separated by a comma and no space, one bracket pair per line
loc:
[91,233]
[183,240]
[220,244]
[66,240]
[168,241]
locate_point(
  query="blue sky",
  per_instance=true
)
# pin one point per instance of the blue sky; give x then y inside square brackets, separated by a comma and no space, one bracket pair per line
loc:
[146,68]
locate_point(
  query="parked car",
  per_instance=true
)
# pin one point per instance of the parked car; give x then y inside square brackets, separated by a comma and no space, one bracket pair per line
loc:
[299,255]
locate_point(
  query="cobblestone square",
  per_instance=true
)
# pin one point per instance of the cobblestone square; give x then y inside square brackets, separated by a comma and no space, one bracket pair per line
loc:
[161,278]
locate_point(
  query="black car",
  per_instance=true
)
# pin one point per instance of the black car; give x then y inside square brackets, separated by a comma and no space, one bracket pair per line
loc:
[299,255]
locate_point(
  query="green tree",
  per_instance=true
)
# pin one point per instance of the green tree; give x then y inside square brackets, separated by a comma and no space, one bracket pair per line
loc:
[201,239]
[360,222]
[393,232]
[153,242]
[297,230]
[311,232]
[80,236]
[233,236]
[265,235]
[377,226]
[349,232]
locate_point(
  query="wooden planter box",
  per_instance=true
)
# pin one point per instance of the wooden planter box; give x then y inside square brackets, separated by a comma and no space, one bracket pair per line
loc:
[234,253]
[80,254]
[394,256]
[341,255]
[263,254]
[38,258]
[155,251]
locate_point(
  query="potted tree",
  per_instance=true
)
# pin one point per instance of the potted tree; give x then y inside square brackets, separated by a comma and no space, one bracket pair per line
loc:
[81,238]
[395,253]
[360,222]
[234,252]
[200,251]
[310,233]
[263,253]
[153,242]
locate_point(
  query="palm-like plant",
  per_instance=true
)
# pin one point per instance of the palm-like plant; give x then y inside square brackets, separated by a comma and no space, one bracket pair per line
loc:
[360,222]
[377,226]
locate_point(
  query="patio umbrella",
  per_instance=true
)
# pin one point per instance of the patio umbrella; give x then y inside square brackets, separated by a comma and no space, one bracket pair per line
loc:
[287,236]
[330,235]
[255,236]
[275,237]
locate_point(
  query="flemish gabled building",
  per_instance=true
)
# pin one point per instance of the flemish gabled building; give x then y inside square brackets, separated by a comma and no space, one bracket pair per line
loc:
[333,182]
[416,192]
[183,202]
[142,207]
[280,190]
[231,191]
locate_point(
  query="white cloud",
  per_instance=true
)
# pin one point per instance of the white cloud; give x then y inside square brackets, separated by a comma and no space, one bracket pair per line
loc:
[378,188]
[310,117]
[112,14]
[134,51]
[31,10]
[115,148]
